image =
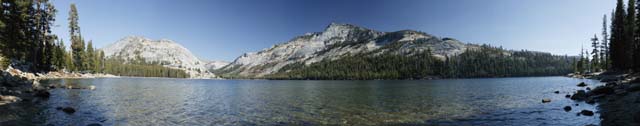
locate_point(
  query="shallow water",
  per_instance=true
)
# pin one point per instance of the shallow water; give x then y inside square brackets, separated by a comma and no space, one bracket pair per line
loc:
[154,101]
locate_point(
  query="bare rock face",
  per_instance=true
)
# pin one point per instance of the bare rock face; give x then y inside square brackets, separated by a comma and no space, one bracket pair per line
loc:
[336,41]
[165,52]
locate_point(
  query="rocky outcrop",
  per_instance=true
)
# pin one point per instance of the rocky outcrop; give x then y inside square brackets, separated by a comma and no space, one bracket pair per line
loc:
[165,52]
[16,85]
[336,41]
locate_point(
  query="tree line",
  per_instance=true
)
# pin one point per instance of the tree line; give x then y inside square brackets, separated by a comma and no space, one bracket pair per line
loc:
[27,43]
[617,49]
[487,61]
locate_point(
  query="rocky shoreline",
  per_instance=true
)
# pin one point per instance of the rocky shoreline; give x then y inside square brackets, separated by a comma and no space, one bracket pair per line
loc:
[618,100]
[16,86]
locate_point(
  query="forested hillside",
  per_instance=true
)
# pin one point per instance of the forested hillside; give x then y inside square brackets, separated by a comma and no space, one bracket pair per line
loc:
[483,62]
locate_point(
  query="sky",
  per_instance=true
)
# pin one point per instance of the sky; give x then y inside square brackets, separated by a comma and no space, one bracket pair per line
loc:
[226,29]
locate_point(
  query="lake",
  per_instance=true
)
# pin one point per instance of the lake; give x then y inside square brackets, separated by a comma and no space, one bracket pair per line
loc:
[159,101]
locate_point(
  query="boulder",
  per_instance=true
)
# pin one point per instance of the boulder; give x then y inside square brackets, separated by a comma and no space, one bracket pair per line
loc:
[581,84]
[602,90]
[586,112]
[567,108]
[567,96]
[588,89]
[42,94]
[92,87]
[580,95]
[68,110]
[557,92]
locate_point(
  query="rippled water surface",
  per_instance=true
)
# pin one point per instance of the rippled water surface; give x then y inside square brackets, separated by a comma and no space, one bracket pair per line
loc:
[153,101]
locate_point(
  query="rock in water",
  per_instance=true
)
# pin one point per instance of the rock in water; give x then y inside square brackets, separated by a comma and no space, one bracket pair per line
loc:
[580,95]
[92,87]
[557,92]
[567,108]
[546,100]
[42,94]
[94,124]
[68,110]
[567,96]
[586,113]
[582,84]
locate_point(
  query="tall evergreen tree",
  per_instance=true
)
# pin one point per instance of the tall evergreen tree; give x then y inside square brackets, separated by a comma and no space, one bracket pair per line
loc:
[635,44]
[90,57]
[77,44]
[595,63]
[604,45]
[617,41]
[630,35]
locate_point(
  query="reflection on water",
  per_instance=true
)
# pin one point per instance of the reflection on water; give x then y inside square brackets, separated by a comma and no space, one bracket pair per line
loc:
[153,101]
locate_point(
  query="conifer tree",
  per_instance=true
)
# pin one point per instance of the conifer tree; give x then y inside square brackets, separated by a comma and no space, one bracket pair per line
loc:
[595,63]
[616,44]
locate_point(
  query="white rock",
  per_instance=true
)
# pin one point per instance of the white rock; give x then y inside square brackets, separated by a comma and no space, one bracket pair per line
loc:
[164,51]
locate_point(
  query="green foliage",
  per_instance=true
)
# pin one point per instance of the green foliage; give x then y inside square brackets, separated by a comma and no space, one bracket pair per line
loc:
[484,62]
[25,33]
[140,68]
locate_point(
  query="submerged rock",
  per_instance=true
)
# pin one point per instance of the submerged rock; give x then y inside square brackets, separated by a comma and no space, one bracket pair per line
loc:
[68,110]
[582,84]
[586,112]
[42,94]
[567,108]
[94,124]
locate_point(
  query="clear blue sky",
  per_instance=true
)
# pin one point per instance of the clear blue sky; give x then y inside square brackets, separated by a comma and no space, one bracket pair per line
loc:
[225,29]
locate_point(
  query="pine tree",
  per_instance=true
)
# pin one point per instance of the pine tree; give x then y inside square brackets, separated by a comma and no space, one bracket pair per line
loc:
[616,44]
[595,63]
[77,44]
[635,44]
[630,35]
[90,57]
[604,47]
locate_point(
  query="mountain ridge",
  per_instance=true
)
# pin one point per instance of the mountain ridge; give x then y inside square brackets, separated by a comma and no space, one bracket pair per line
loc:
[336,41]
[163,51]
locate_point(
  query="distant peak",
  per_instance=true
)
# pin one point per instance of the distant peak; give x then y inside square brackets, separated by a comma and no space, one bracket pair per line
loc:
[335,25]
